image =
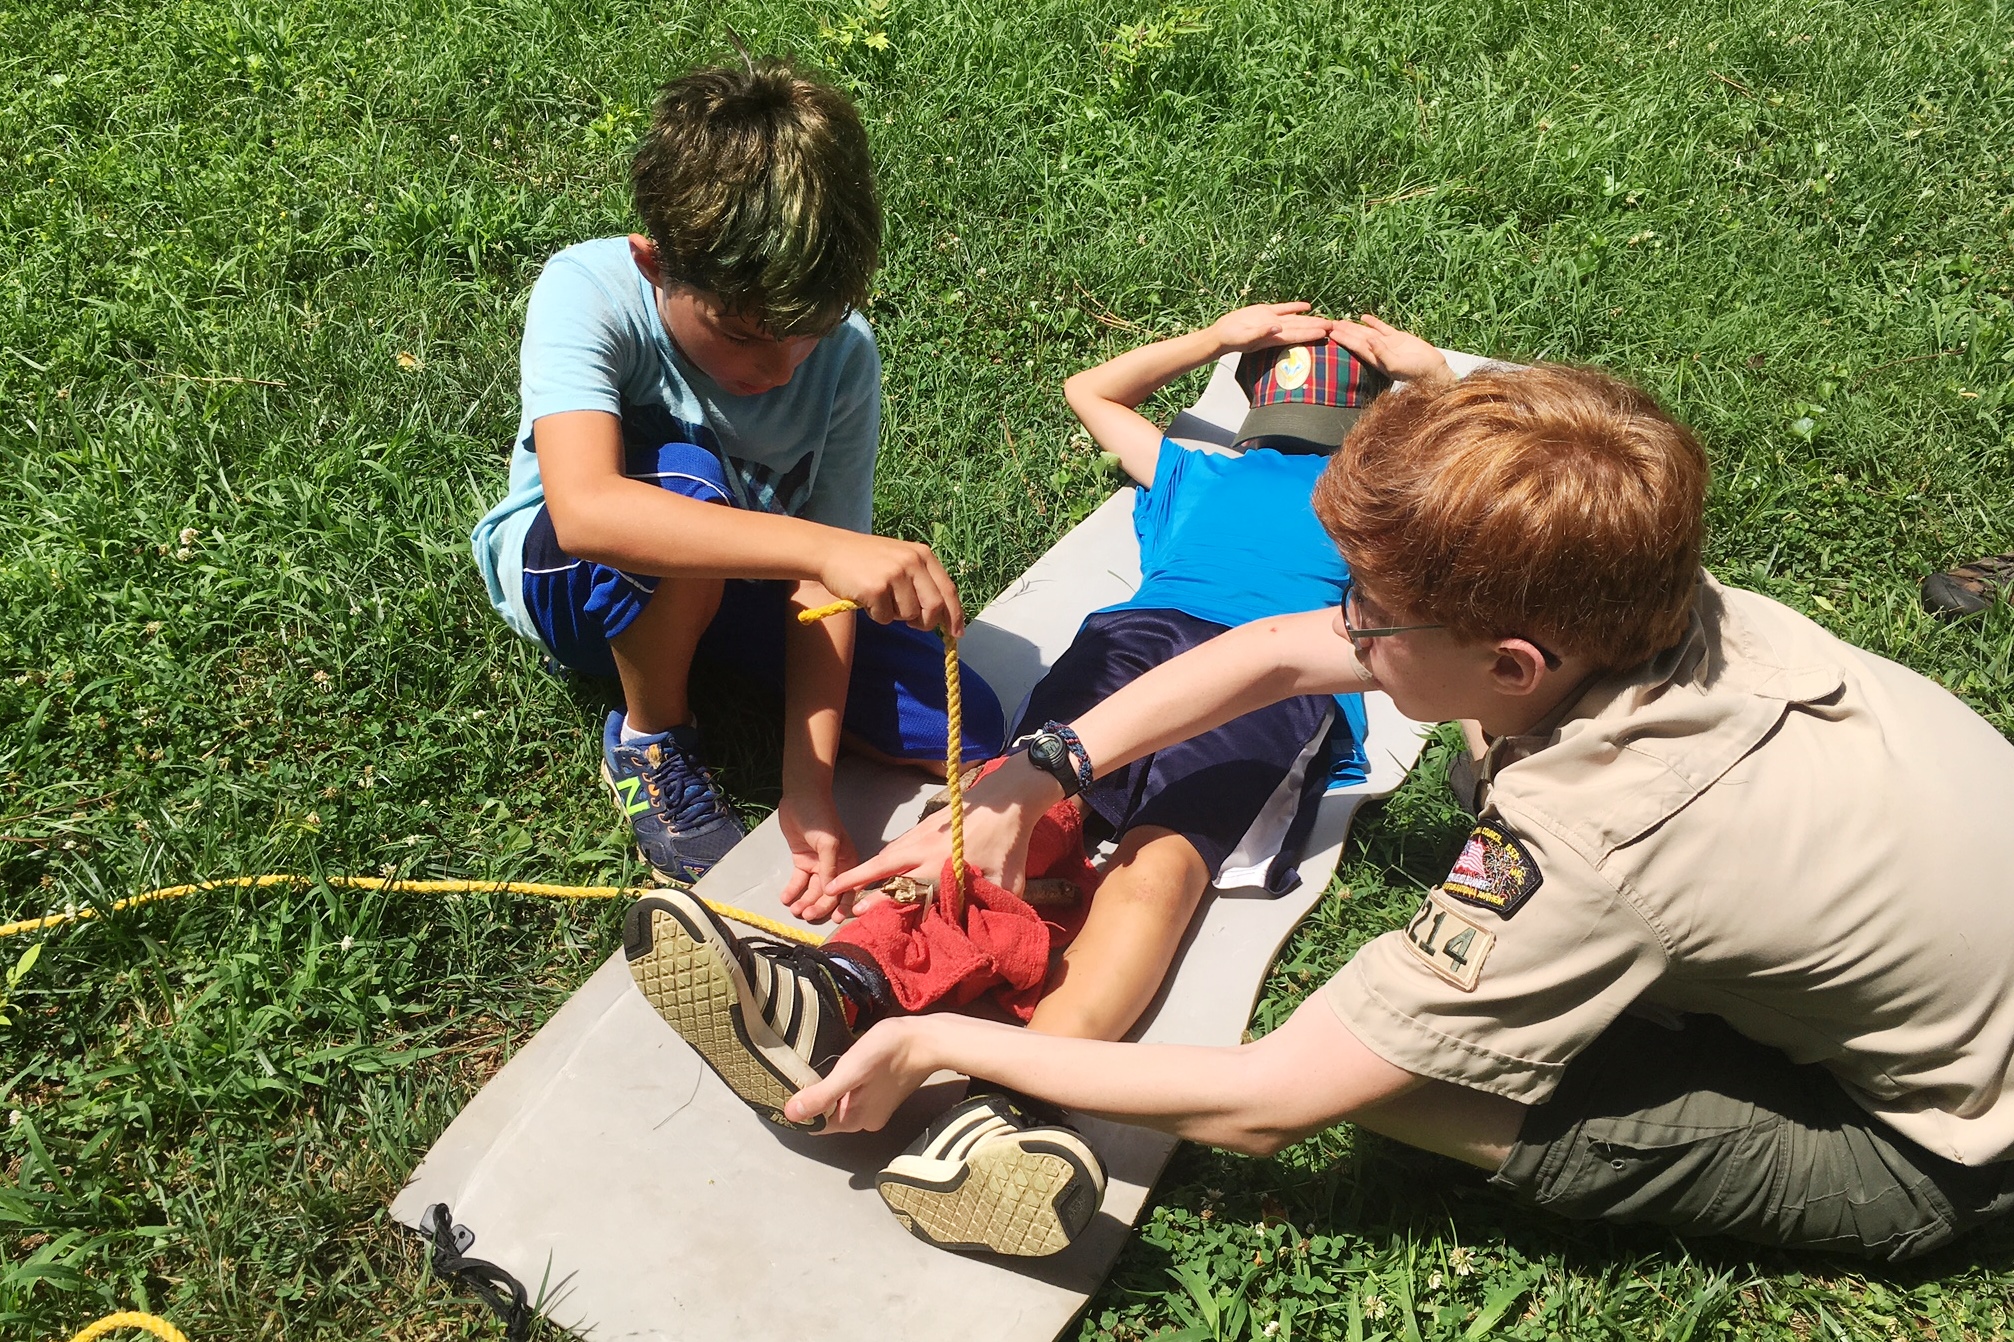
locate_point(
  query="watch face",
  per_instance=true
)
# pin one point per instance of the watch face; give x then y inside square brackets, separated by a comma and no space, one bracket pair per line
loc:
[1047,750]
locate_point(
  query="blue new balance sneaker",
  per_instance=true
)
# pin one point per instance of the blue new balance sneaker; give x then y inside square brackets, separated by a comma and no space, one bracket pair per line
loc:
[674,808]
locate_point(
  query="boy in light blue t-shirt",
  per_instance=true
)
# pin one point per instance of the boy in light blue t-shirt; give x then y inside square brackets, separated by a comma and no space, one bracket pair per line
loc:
[695,462]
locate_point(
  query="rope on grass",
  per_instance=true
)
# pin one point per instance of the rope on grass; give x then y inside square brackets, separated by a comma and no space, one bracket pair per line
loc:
[112,1323]
[954,742]
[773,927]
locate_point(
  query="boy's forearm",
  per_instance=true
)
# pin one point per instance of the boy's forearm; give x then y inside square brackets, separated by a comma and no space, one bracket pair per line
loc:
[1257,1097]
[1137,374]
[1238,671]
[637,527]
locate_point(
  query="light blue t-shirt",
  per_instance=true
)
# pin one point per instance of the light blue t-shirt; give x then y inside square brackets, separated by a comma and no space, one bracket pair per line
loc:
[1232,539]
[593,341]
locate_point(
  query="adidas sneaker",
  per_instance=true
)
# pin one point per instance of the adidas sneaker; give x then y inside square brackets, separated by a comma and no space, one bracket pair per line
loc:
[766,1016]
[990,1175]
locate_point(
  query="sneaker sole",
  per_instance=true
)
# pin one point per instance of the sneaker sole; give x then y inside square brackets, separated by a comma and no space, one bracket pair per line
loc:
[682,963]
[1027,1195]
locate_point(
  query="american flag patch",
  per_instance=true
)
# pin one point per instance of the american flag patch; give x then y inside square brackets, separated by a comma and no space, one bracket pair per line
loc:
[1494,872]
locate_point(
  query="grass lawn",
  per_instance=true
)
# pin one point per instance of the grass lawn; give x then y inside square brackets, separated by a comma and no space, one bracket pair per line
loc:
[262,273]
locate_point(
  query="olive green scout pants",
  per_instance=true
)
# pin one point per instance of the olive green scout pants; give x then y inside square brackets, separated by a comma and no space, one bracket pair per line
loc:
[1707,1132]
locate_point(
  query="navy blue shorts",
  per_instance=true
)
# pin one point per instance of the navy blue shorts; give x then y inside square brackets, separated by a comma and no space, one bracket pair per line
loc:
[894,702]
[1244,794]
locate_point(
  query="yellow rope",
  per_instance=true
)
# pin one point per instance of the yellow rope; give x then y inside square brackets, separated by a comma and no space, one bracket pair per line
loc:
[954,765]
[775,928]
[954,712]
[111,1323]
[954,743]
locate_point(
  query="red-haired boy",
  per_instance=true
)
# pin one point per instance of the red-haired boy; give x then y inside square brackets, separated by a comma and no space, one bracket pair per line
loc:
[1727,949]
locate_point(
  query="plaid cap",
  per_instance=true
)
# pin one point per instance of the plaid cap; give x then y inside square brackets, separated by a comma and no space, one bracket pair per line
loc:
[1304,397]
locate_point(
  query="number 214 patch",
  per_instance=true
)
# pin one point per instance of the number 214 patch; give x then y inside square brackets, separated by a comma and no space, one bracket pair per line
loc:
[1449,944]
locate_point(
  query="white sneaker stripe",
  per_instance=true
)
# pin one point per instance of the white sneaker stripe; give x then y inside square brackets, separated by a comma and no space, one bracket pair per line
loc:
[948,1140]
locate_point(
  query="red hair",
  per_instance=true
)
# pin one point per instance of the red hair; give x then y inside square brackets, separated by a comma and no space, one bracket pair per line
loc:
[1552,503]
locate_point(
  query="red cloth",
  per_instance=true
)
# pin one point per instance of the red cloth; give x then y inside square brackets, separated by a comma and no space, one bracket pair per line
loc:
[1001,947]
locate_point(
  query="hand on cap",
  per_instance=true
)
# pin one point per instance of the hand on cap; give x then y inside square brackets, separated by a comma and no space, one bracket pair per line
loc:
[1386,348]
[1264,325]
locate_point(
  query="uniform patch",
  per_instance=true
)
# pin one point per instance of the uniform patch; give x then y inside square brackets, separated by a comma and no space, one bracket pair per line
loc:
[1494,872]
[1291,369]
[1449,944]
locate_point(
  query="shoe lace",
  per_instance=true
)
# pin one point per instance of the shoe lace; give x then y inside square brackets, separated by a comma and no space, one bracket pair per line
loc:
[799,960]
[684,787]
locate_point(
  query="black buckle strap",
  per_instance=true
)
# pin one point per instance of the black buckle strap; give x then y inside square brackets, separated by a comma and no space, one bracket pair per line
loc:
[498,1289]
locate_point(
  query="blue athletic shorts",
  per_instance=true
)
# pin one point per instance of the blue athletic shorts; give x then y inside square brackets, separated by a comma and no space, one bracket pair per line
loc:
[894,702]
[1244,794]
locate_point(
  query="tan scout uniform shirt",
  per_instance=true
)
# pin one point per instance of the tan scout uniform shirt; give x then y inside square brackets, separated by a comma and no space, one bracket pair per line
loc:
[1765,824]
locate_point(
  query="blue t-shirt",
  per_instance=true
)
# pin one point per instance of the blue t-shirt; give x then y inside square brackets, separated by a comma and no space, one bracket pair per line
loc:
[593,341]
[1232,539]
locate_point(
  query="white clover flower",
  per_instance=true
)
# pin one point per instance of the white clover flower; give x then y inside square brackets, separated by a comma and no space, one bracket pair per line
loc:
[184,554]
[1374,1306]
[1462,1260]
[188,536]
[14,1118]
[348,942]
[1434,1282]
[1272,1328]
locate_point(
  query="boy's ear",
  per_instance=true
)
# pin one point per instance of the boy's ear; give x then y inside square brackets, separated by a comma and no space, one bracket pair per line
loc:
[644,252]
[1519,667]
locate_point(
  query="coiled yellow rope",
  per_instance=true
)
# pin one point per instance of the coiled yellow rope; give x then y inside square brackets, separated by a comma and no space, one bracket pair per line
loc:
[112,1323]
[954,747]
[773,927]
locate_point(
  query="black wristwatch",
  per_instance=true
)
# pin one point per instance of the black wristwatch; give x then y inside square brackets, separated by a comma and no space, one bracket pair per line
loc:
[1056,751]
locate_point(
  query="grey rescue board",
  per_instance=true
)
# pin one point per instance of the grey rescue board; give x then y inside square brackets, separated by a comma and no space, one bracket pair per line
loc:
[634,1196]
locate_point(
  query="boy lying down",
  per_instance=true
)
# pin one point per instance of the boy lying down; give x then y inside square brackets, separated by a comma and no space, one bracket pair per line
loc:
[1224,540]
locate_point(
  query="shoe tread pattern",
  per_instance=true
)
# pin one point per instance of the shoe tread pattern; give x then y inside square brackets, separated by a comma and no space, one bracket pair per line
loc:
[1006,1202]
[686,984]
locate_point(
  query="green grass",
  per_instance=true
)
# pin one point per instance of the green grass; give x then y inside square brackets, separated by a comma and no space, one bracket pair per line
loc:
[263,274]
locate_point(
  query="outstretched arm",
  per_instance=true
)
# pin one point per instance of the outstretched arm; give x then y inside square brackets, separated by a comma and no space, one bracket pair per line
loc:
[1308,1074]
[1249,667]
[599,513]
[1105,398]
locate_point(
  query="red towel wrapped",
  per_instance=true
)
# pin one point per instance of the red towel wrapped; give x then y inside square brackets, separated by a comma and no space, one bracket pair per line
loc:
[1001,947]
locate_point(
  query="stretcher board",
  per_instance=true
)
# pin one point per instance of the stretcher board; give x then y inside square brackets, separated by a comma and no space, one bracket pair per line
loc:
[636,1198]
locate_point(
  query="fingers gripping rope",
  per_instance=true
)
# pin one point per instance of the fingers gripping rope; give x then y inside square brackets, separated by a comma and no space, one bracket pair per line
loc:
[954,743]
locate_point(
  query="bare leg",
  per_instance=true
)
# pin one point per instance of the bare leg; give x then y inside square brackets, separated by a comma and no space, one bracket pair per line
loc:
[1114,968]
[654,655]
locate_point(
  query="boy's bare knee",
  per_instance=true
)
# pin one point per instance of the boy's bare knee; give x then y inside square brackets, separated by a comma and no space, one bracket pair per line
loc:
[1156,866]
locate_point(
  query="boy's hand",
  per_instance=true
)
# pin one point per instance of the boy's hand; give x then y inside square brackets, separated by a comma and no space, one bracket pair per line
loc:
[1264,325]
[868,1083]
[1000,814]
[892,580]
[1385,347]
[819,850]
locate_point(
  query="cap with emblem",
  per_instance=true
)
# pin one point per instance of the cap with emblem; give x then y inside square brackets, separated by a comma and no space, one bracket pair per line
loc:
[1304,397]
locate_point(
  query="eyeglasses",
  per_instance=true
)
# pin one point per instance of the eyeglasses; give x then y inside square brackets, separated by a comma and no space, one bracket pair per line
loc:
[1360,637]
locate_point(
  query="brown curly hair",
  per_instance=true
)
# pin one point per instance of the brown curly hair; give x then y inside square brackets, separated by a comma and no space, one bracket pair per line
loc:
[755,183]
